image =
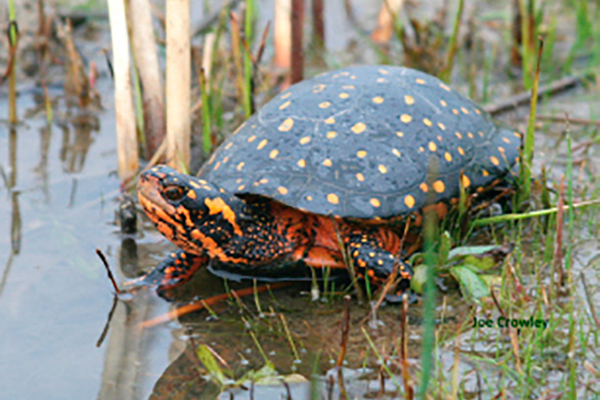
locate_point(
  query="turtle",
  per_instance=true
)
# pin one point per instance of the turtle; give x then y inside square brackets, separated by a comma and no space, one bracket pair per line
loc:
[322,176]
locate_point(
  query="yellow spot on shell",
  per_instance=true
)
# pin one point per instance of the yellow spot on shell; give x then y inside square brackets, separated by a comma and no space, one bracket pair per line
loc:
[360,177]
[455,111]
[439,186]
[305,140]
[420,81]
[382,169]
[348,87]
[282,190]
[324,104]
[383,71]
[494,160]
[477,111]
[330,120]
[191,194]
[480,133]
[332,198]
[443,103]
[286,125]
[262,144]
[273,153]
[485,173]
[327,162]
[501,149]
[375,202]
[217,165]
[432,146]
[409,100]
[461,151]
[409,201]
[400,134]
[517,134]
[301,163]
[378,100]
[445,87]
[344,95]
[442,126]
[506,140]
[427,122]
[284,105]
[421,149]
[381,80]
[318,88]
[264,180]
[225,160]
[309,198]
[458,135]
[464,110]
[240,166]
[396,152]
[470,135]
[286,95]
[331,134]
[423,186]
[241,187]
[361,154]
[358,127]
[228,146]
[251,139]
[466,182]
[448,156]
[405,118]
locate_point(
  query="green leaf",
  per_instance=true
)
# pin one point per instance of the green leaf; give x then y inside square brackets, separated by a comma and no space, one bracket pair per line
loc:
[480,263]
[471,284]
[267,375]
[470,250]
[419,277]
[211,364]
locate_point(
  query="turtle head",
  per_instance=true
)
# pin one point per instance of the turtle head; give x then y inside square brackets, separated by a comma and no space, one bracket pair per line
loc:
[191,212]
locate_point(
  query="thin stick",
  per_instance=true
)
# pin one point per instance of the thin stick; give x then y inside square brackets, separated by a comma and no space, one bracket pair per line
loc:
[525,97]
[576,121]
[345,331]
[110,275]
[589,300]
[297,56]
[171,315]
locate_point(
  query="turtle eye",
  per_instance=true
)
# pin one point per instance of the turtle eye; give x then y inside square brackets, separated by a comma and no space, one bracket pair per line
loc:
[173,192]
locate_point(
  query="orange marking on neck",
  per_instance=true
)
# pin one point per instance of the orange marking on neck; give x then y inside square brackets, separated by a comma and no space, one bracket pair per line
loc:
[213,249]
[216,206]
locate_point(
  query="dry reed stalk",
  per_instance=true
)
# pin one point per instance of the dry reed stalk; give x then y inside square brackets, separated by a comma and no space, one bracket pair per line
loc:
[207,55]
[178,84]
[283,34]
[146,61]
[127,152]
[386,20]
[297,56]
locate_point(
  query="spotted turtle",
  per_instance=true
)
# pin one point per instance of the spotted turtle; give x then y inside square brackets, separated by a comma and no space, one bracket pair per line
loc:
[332,163]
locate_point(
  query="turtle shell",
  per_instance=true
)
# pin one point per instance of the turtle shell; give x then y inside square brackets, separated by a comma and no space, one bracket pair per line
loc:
[364,142]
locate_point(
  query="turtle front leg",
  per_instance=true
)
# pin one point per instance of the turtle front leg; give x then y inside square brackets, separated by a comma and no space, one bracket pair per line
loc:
[173,271]
[370,258]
